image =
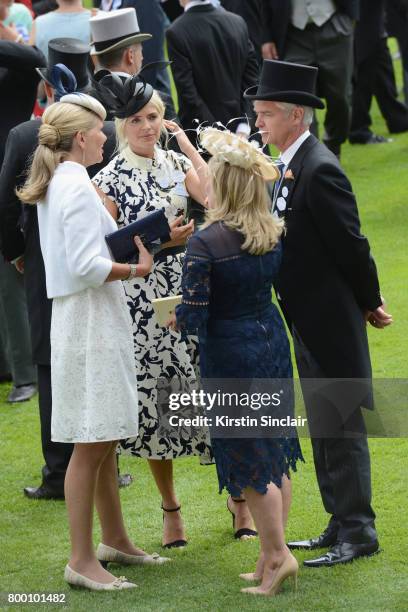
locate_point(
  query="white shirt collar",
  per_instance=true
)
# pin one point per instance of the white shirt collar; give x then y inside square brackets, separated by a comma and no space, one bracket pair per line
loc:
[120,73]
[192,3]
[287,156]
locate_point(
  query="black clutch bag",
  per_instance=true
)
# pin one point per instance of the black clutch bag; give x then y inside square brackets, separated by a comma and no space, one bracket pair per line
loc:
[153,231]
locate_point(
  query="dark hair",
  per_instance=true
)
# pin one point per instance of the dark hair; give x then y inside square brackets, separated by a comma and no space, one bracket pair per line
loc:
[112,58]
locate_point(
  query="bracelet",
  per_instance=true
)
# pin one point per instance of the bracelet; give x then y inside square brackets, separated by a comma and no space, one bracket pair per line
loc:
[133,271]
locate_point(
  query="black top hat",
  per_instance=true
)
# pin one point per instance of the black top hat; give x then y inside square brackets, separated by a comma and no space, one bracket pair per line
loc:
[286,82]
[74,54]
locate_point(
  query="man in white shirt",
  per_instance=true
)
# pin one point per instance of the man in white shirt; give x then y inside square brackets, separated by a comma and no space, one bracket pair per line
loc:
[118,48]
[326,268]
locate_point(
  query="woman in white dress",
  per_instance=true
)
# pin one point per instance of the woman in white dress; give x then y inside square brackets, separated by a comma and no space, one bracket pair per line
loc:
[94,385]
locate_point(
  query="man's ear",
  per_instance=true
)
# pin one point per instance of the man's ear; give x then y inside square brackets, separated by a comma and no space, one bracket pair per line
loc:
[127,56]
[298,113]
[49,92]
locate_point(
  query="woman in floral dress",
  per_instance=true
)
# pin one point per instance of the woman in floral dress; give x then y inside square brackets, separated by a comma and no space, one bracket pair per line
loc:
[142,179]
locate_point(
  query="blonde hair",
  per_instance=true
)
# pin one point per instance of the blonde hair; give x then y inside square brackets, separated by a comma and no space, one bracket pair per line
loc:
[243,205]
[60,122]
[120,124]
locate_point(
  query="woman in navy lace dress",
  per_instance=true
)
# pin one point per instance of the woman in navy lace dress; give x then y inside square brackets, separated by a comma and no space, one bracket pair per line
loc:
[228,273]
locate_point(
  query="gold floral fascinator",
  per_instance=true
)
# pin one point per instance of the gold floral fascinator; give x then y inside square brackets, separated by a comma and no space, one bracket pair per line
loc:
[230,148]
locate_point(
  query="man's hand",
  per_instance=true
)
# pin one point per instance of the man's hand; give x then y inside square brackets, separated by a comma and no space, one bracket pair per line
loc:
[269,51]
[379,318]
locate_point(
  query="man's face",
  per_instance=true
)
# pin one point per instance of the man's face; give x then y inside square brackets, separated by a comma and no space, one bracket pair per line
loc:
[4,8]
[273,123]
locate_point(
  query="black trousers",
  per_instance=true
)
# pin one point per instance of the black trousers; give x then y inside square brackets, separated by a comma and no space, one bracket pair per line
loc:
[332,52]
[56,454]
[342,463]
[374,76]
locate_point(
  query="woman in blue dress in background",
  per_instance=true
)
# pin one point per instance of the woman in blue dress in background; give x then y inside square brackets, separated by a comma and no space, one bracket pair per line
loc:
[228,272]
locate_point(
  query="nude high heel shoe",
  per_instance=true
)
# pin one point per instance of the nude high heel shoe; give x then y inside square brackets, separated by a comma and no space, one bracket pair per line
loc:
[289,567]
[77,580]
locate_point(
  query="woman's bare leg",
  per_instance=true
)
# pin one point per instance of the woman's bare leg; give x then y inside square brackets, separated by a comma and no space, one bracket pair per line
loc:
[268,516]
[173,528]
[286,493]
[80,483]
[243,518]
[109,509]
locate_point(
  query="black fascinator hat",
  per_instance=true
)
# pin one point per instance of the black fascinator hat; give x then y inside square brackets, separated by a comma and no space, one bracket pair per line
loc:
[122,97]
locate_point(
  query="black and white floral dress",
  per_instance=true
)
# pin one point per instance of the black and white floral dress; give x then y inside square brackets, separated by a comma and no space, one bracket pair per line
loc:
[140,186]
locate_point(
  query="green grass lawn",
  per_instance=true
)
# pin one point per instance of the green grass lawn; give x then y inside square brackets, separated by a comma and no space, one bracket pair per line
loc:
[34,535]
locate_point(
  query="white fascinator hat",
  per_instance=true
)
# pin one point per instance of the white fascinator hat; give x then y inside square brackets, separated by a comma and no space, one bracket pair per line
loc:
[230,148]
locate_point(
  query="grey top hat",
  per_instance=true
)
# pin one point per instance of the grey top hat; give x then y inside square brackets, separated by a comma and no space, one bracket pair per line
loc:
[115,30]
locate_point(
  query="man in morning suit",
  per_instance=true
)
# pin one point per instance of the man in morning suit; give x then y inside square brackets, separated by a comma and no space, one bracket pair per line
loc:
[374,76]
[25,248]
[117,49]
[213,62]
[18,86]
[328,288]
[251,13]
[317,33]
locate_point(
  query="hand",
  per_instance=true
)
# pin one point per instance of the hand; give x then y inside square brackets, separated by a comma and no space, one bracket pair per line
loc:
[269,51]
[179,231]
[182,138]
[172,322]
[19,264]
[379,318]
[9,33]
[145,258]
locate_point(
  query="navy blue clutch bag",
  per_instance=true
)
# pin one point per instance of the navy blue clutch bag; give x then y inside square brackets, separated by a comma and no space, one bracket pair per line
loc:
[153,231]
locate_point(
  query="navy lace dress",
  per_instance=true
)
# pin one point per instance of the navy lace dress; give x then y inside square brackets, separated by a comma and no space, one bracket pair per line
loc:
[227,301]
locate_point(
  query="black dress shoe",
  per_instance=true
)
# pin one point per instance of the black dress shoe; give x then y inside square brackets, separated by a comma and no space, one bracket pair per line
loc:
[42,492]
[344,552]
[371,139]
[326,539]
[22,393]
[125,480]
